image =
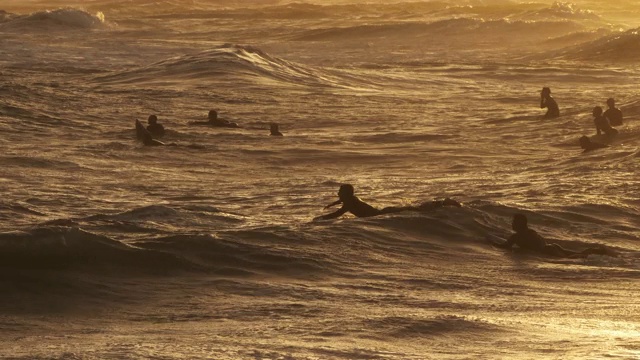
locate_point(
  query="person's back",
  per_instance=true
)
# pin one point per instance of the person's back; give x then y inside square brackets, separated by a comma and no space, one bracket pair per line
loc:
[358,207]
[155,128]
[613,114]
[275,131]
[528,239]
[546,101]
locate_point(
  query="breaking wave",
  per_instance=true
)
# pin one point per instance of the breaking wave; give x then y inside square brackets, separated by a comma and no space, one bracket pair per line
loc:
[234,62]
[65,18]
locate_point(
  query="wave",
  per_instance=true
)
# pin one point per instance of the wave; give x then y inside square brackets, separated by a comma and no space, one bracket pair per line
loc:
[614,48]
[407,10]
[65,18]
[325,249]
[462,29]
[58,247]
[442,325]
[235,62]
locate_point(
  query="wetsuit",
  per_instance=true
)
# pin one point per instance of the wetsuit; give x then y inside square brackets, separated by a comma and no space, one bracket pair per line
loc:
[602,125]
[614,115]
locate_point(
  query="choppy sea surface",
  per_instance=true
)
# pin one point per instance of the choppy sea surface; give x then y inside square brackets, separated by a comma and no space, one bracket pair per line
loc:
[207,249]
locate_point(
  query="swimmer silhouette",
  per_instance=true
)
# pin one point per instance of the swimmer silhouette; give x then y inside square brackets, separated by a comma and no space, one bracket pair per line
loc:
[528,239]
[275,131]
[546,101]
[156,129]
[214,121]
[602,124]
[589,145]
[613,114]
[353,204]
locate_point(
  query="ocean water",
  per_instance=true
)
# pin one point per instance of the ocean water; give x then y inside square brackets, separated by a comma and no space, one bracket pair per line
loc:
[207,249]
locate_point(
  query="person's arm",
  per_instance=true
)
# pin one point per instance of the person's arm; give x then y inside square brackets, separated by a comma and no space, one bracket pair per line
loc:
[333,215]
[507,244]
[333,204]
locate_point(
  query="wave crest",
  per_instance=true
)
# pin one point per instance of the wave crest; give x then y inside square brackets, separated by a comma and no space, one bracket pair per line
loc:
[619,47]
[231,62]
[64,18]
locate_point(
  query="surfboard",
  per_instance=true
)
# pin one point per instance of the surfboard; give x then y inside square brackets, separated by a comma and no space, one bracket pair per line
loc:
[602,138]
[141,131]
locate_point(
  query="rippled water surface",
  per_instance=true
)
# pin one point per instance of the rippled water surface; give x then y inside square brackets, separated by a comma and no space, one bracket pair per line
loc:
[207,249]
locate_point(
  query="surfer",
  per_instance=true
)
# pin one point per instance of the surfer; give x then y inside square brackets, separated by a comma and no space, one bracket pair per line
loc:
[156,129]
[214,121]
[529,239]
[613,114]
[146,137]
[589,145]
[602,124]
[546,101]
[353,204]
[275,131]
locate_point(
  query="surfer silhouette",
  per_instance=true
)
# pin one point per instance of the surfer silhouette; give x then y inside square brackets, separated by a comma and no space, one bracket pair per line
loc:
[602,124]
[215,121]
[353,204]
[528,239]
[275,131]
[589,145]
[546,101]
[613,114]
[156,129]
[146,137]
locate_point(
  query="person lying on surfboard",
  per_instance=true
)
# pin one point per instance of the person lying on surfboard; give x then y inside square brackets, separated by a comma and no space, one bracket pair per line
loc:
[214,121]
[353,204]
[528,239]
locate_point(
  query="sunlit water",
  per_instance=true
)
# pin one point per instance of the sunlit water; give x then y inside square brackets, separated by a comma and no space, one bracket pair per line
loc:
[207,249]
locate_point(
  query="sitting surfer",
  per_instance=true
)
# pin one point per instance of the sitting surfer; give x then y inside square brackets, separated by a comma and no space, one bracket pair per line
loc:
[156,129]
[353,204]
[613,114]
[275,131]
[529,239]
[589,145]
[214,121]
[547,101]
[602,124]
[146,137]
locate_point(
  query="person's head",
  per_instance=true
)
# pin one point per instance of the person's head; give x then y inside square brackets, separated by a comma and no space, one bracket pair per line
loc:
[346,191]
[611,102]
[213,115]
[519,222]
[545,91]
[585,142]
[597,111]
[152,119]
